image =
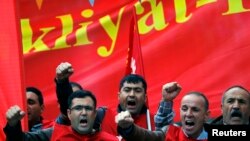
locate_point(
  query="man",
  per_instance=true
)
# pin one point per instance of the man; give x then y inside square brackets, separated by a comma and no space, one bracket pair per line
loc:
[35,108]
[235,107]
[131,95]
[64,89]
[81,112]
[194,112]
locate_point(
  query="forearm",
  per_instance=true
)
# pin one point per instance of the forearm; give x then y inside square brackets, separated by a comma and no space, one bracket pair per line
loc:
[164,115]
[63,91]
[14,133]
[40,135]
[136,133]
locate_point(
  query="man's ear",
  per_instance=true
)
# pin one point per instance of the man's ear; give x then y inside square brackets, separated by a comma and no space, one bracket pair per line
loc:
[221,109]
[95,112]
[42,108]
[207,115]
[118,95]
[69,113]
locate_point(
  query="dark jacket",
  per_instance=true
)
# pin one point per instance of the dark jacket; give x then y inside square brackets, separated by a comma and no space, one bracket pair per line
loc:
[15,134]
[136,133]
[217,121]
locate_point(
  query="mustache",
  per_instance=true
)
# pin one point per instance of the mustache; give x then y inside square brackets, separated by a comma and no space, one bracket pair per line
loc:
[236,113]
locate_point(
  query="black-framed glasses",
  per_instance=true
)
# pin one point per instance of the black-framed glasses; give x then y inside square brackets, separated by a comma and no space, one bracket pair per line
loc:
[81,107]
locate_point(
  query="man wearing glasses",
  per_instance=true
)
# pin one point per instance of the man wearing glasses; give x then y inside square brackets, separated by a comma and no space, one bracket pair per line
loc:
[81,112]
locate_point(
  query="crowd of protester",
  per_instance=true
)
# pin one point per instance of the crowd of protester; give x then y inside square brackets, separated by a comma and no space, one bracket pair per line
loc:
[81,119]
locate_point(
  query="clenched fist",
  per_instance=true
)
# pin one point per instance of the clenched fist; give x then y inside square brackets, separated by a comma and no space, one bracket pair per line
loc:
[14,114]
[64,71]
[124,119]
[170,91]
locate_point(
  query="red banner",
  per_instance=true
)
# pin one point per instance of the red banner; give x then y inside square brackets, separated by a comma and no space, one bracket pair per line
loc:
[192,42]
[94,40]
[203,45]
[11,63]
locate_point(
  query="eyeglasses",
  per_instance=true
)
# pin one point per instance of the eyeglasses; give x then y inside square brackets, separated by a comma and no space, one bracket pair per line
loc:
[81,107]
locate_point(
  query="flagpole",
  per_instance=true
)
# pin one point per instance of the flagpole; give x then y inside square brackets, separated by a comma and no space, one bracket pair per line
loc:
[148,120]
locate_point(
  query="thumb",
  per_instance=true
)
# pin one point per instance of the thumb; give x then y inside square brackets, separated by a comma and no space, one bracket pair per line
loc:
[22,114]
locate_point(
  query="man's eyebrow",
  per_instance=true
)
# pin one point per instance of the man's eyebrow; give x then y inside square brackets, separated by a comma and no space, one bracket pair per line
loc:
[29,99]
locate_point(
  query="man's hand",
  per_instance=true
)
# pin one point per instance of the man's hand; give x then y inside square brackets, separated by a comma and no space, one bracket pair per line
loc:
[64,71]
[170,91]
[14,114]
[124,119]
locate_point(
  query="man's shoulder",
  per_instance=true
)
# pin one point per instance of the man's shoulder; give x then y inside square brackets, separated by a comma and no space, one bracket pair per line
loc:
[216,121]
[47,123]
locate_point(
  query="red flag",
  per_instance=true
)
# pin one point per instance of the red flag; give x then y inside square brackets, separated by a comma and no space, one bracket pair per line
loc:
[135,61]
[194,43]
[11,65]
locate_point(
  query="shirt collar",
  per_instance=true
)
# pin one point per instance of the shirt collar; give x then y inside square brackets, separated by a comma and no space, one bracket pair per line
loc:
[203,135]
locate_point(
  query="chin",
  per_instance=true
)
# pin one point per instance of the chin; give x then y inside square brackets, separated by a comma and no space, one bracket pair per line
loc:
[131,111]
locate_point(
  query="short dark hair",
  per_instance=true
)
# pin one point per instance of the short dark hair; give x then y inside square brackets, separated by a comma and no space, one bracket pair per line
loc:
[37,92]
[201,95]
[133,78]
[74,84]
[81,94]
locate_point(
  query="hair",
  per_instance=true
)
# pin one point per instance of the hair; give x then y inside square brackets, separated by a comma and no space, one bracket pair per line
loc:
[234,86]
[37,92]
[81,94]
[133,78]
[74,84]
[201,95]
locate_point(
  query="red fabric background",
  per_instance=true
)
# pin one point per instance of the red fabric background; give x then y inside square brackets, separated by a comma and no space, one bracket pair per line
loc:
[208,52]
[11,63]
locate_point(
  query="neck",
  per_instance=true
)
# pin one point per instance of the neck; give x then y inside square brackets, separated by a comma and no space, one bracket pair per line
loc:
[34,122]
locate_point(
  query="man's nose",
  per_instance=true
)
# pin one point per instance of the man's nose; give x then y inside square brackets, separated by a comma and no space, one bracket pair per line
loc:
[28,106]
[132,93]
[189,112]
[236,105]
[83,111]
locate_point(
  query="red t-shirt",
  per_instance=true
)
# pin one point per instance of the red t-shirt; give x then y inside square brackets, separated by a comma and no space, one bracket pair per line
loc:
[176,134]
[47,123]
[65,133]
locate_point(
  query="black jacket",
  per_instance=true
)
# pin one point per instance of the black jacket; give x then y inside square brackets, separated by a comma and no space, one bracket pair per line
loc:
[15,134]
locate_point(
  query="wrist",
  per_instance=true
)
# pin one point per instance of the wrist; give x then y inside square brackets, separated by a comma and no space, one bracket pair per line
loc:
[61,80]
[167,100]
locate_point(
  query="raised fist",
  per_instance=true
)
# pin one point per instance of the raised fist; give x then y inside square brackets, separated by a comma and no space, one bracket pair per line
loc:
[170,91]
[14,114]
[64,71]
